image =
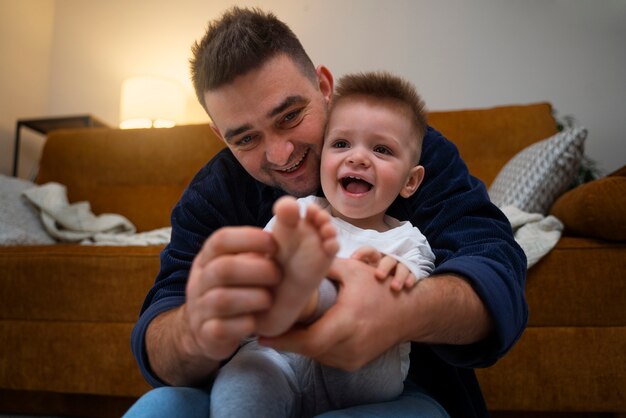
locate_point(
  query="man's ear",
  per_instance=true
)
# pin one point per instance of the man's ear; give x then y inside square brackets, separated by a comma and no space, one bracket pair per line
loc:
[326,82]
[413,181]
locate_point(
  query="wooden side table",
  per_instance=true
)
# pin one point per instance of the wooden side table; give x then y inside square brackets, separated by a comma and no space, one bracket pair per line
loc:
[45,125]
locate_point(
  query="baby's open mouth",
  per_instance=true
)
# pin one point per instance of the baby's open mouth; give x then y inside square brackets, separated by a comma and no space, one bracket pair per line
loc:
[355,185]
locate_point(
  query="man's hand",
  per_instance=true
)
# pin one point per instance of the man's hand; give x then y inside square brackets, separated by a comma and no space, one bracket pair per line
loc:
[363,323]
[229,283]
[368,318]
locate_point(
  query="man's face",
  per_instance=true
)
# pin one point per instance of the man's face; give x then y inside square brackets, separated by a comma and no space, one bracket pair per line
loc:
[273,120]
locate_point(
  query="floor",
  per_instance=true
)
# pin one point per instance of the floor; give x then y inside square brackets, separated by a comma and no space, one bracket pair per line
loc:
[30,404]
[26,416]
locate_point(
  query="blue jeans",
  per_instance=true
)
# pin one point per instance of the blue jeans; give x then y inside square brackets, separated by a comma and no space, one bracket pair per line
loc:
[174,402]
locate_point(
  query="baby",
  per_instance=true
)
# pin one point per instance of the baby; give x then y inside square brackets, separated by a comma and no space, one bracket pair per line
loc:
[370,158]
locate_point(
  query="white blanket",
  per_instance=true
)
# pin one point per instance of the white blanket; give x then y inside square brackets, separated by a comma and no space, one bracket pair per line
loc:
[76,222]
[154,237]
[535,233]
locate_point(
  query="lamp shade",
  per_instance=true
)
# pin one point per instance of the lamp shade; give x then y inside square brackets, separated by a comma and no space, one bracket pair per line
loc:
[151,102]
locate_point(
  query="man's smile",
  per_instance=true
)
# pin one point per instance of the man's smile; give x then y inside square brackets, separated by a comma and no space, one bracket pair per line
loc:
[296,165]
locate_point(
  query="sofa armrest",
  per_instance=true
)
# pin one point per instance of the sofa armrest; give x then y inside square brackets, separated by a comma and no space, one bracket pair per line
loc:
[596,209]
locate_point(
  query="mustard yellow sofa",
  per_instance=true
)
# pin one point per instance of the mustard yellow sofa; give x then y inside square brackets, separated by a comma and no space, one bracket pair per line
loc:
[66,311]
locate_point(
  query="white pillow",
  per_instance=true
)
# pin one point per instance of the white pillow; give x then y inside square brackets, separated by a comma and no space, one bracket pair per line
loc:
[536,176]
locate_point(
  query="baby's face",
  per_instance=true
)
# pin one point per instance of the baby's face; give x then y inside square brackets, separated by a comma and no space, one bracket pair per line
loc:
[368,159]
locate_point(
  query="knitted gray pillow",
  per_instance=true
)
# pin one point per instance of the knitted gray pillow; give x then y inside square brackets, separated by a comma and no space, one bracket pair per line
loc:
[536,176]
[20,223]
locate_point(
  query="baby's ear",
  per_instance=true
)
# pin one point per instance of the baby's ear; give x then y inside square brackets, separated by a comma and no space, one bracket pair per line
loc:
[413,181]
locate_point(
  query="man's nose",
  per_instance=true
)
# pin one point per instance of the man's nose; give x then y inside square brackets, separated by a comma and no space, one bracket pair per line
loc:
[278,150]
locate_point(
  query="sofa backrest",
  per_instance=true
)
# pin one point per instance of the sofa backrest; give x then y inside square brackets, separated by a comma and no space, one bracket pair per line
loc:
[488,138]
[141,173]
[138,173]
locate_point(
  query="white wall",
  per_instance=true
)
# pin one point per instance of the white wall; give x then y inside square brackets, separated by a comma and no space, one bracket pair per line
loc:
[25,47]
[459,53]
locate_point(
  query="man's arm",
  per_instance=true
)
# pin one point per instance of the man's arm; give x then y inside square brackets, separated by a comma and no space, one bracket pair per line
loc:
[453,313]
[170,346]
[369,317]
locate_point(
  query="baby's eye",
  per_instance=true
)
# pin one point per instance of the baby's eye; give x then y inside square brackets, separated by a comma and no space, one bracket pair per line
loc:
[379,149]
[340,143]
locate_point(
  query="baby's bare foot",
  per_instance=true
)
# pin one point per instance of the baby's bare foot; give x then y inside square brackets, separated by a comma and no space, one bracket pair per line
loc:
[306,248]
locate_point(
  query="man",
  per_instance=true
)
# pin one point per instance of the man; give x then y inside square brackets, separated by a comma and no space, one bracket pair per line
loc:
[268,103]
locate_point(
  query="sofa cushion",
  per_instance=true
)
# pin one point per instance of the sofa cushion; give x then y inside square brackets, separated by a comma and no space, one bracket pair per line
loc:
[535,177]
[532,376]
[596,209]
[66,315]
[137,173]
[577,285]
[576,333]
[118,279]
[488,138]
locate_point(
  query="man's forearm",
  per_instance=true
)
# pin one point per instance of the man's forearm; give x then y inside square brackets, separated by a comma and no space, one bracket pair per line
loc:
[169,347]
[450,312]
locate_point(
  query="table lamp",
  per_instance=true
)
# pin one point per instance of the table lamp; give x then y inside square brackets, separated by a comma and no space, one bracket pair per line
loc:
[151,102]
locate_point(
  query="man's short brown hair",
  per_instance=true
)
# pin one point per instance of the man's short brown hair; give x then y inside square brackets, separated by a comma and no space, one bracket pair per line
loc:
[385,86]
[240,41]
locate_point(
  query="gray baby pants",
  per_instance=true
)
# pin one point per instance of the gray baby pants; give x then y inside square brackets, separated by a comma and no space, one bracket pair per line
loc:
[262,382]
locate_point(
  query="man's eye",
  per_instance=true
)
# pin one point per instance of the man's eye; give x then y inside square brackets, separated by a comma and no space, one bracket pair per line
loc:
[292,119]
[291,116]
[245,142]
[382,150]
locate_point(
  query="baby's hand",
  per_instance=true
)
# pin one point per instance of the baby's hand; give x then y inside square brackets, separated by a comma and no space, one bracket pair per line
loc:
[401,276]
[369,255]
[387,267]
